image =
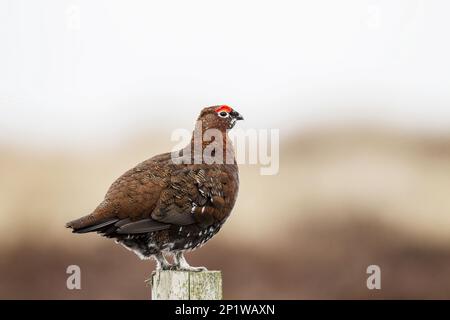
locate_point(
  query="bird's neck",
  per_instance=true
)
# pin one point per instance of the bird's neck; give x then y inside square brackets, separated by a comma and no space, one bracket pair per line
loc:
[213,145]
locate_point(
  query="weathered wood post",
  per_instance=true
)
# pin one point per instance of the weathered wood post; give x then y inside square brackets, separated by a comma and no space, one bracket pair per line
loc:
[185,285]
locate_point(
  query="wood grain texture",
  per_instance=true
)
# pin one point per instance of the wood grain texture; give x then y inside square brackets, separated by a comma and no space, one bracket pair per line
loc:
[184,285]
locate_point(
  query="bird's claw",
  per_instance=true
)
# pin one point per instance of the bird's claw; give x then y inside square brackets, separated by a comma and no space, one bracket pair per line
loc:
[192,269]
[174,268]
[148,281]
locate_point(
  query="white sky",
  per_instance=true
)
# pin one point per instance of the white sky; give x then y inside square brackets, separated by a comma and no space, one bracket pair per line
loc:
[72,71]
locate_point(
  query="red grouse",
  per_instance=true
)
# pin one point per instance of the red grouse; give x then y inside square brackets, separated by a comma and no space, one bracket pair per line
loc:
[173,202]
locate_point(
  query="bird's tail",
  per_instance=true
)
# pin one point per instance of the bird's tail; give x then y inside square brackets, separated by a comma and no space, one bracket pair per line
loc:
[80,223]
[94,221]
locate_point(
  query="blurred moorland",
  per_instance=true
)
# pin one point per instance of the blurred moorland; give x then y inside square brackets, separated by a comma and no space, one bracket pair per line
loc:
[343,200]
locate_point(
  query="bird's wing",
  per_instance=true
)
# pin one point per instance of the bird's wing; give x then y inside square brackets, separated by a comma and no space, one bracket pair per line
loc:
[194,195]
[132,197]
[113,226]
[156,194]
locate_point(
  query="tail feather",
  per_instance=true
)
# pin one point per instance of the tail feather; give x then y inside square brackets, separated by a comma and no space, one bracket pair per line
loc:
[81,226]
[101,217]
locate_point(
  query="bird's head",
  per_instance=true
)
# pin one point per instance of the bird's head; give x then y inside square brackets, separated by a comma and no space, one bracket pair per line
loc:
[220,117]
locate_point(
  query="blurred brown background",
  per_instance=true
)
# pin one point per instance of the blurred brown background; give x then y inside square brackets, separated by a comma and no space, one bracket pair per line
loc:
[343,200]
[357,88]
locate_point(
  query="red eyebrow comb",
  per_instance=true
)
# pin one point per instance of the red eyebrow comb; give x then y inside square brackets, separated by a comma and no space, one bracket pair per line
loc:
[224,108]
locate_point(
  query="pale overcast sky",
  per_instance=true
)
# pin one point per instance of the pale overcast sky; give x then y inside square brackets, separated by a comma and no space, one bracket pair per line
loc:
[76,70]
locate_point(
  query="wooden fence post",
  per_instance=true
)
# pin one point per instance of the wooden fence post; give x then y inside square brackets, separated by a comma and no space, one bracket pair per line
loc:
[184,285]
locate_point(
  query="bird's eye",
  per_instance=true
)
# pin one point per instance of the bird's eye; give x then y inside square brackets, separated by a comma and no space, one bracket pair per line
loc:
[223,114]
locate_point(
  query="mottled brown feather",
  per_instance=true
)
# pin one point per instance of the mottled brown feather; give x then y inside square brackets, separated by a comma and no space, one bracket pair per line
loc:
[160,194]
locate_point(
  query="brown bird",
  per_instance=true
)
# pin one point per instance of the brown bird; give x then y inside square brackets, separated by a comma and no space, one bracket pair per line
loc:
[173,202]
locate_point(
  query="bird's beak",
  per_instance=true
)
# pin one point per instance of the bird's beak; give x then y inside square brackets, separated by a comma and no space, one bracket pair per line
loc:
[236,115]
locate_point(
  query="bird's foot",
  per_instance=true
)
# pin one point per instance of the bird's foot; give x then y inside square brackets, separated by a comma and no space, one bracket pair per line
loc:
[161,265]
[148,281]
[191,269]
[182,265]
[173,267]
[162,268]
